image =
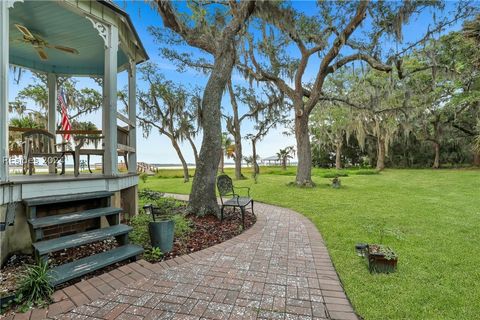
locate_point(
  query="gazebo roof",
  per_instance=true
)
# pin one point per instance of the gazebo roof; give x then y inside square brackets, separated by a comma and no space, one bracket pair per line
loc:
[70,24]
[271,158]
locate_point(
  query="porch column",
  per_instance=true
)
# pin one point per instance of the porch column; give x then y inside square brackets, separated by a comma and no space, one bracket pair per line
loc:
[4,67]
[132,116]
[52,109]
[110,103]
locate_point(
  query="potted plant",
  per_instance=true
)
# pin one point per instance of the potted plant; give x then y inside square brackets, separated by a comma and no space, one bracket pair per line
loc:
[161,229]
[381,259]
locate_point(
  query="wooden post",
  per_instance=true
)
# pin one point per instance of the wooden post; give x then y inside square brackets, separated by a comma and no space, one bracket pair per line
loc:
[4,67]
[52,109]
[110,103]
[132,116]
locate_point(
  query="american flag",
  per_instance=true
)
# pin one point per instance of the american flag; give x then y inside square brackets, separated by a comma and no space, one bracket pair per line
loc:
[66,126]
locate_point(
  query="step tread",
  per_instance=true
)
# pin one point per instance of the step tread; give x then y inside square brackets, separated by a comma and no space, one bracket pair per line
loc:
[66,198]
[72,217]
[78,239]
[86,265]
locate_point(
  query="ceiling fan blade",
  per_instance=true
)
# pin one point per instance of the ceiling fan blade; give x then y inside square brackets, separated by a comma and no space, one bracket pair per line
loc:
[24,30]
[65,49]
[41,53]
[19,41]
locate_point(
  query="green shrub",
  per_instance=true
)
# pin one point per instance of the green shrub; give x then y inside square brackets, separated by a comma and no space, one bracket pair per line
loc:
[365,172]
[34,286]
[183,226]
[335,174]
[139,235]
[153,254]
[168,206]
[150,195]
[144,177]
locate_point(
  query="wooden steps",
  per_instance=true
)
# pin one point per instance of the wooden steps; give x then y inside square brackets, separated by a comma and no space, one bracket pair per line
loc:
[78,222]
[72,217]
[79,239]
[66,198]
[86,265]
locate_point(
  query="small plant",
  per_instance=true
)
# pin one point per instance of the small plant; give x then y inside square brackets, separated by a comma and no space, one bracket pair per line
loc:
[34,286]
[381,259]
[183,226]
[387,252]
[336,183]
[150,195]
[139,235]
[144,177]
[153,254]
[167,206]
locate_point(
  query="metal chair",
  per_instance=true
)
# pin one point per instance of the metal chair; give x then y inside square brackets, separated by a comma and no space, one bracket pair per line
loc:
[38,143]
[226,188]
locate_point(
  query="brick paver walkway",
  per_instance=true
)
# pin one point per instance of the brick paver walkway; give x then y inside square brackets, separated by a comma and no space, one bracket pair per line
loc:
[278,269]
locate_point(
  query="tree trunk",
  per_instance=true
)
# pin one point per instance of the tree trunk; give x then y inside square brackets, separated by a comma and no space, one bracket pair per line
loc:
[256,169]
[194,148]
[338,155]
[436,143]
[203,199]
[284,163]
[436,162]
[238,155]
[222,162]
[304,152]
[236,133]
[186,176]
[380,154]
[476,159]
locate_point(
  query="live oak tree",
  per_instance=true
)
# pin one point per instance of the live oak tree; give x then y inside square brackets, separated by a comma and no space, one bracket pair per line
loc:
[331,126]
[334,122]
[447,91]
[257,105]
[214,29]
[79,101]
[382,111]
[233,124]
[266,57]
[380,108]
[31,106]
[170,109]
[472,31]
[272,112]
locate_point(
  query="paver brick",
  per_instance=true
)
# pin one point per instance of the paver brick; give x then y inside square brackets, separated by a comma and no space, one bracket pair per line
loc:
[278,269]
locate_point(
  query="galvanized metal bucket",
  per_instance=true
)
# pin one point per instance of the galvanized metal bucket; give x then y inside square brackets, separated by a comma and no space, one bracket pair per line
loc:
[161,234]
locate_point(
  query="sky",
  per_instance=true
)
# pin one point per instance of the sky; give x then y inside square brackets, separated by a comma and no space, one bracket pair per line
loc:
[157,148]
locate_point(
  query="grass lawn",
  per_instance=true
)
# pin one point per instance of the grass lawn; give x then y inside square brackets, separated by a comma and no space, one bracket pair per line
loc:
[430,217]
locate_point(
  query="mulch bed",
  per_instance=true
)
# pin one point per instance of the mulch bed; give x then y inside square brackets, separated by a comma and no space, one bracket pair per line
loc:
[207,231]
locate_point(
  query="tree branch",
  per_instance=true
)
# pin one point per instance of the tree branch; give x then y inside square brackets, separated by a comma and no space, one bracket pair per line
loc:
[339,42]
[374,63]
[191,36]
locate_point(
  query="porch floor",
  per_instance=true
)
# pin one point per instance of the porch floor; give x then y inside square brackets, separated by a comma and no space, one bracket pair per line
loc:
[38,178]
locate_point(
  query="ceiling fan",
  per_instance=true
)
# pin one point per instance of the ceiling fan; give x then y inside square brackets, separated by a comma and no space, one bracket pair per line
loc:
[39,44]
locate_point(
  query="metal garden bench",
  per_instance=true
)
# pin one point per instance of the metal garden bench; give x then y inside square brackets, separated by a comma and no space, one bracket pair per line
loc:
[226,188]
